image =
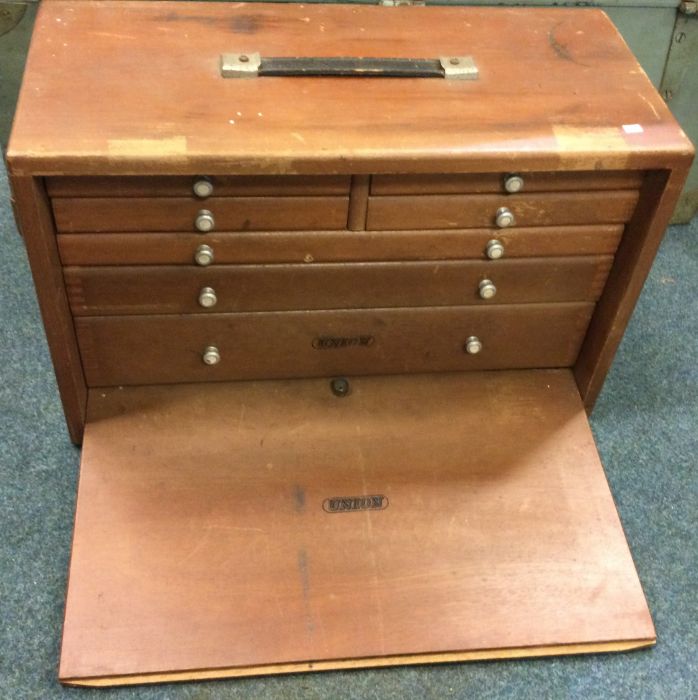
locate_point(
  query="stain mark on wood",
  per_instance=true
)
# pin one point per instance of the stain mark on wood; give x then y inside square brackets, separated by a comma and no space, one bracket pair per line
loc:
[304,571]
[299,498]
[560,49]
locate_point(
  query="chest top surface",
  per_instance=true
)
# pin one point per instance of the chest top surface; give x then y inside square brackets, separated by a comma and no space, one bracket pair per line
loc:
[135,87]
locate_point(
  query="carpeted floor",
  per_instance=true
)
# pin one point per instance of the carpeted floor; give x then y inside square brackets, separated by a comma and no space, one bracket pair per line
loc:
[645,423]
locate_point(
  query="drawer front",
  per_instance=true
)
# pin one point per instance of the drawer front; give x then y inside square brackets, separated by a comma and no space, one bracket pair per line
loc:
[334,246]
[480,210]
[169,349]
[220,186]
[97,214]
[447,183]
[97,291]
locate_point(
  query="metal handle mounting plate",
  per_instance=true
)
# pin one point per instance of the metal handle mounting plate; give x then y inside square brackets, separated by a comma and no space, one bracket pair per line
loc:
[252,65]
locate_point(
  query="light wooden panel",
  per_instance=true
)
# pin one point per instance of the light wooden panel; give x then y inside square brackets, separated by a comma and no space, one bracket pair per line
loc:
[202,547]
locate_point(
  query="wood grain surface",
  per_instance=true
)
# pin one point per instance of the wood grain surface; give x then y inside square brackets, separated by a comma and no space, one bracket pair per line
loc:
[34,221]
[202,548]
[135,88]
[478,210]
[168,349]
[173,186]
[335,246]
[99,291]
[482,183]
[95,214]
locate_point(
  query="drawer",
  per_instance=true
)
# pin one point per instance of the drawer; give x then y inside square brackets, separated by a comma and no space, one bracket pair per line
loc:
[97,291]
[183,186]
[334,246]
[95,214]
[463,183]
[437,211]
[169,349]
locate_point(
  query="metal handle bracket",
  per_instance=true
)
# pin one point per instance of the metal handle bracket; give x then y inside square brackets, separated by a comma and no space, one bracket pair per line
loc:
[252,65]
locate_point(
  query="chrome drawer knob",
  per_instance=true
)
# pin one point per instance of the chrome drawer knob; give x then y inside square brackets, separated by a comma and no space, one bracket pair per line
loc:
[207,297]
[513,183]
[495,249]
[486,289]
[204,221]
[211,355]
[473,345]
[203,187]
[203,255]
[504,218]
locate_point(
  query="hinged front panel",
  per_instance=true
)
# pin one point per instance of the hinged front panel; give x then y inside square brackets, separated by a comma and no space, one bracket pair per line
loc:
[249,528]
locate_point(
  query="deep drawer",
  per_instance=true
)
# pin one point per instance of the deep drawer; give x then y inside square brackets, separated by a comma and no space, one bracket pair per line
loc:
[98,214]
[97,291]
[463,183]
[169,349]
[334,246]
[183,186]
[437,211]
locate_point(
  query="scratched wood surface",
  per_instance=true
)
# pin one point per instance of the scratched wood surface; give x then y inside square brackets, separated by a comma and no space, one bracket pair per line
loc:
[207,550]
[462,211]
[163,289]
[335,246]
[141,79]
[95,214]
[168,348]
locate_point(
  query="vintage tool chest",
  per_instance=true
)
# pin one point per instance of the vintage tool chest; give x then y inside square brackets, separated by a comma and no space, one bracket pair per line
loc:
[327,292]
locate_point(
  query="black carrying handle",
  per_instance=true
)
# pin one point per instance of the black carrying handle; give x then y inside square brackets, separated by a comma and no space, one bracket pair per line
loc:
[252,65]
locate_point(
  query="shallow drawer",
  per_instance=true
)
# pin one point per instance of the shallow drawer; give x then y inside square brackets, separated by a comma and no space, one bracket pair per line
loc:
[169,349]
[96,291]
[135,214]
[437,211]
[221,186]
[450,183]
[334,246]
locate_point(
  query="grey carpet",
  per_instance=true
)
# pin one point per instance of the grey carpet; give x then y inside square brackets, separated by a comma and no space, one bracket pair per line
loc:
[645,424]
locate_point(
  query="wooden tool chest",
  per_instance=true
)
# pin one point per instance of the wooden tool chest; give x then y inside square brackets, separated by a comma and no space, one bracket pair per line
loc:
[278,250]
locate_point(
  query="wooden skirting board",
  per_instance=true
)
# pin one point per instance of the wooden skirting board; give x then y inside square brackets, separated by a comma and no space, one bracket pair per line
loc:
[252,528]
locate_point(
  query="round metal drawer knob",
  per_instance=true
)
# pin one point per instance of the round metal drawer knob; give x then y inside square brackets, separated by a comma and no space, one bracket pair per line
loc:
[207,297]
[513,183]
[486,289]
[504,218]
[204,221]
[203,255]
[211,355]
[203,187]
[495,249]
[473,345]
